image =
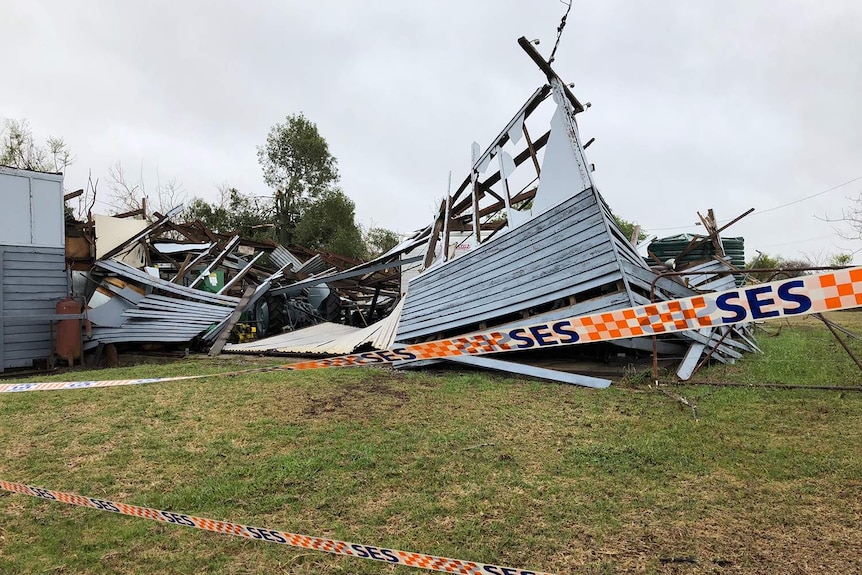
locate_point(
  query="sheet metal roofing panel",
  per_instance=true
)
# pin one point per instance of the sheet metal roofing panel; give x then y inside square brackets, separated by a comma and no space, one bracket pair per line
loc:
[146,279]
[159,318]
[385,337]
[162,319]
[310,340]
[110,313]
[380,335]
[313,266]
[281,256]
[156,332]
[326,338]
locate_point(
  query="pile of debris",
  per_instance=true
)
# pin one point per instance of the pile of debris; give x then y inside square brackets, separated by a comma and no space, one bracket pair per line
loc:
[164,282]
[525,238]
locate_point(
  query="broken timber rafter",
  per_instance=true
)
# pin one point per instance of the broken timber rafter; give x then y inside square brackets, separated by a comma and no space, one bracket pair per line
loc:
[432,241]
[241,274]
[457,209]
[182,271]
[219,258]
[532,103]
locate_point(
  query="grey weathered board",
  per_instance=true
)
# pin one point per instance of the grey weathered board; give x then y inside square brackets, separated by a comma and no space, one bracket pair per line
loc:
[566,251]
[32,281]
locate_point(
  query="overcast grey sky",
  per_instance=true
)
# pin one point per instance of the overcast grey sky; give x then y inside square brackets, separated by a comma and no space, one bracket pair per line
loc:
[696,105]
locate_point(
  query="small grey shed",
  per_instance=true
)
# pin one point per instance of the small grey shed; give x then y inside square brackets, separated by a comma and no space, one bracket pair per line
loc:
[32,264]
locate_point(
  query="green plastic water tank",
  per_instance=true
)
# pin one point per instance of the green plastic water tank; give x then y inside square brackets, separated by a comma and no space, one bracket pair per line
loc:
[672,246]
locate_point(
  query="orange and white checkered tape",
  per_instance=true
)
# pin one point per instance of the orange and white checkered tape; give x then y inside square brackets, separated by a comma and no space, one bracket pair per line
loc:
[829,291]
[358,550]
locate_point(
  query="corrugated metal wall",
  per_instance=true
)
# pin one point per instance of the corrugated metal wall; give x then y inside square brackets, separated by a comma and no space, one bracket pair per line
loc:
[32,281]
[670,247]
[32,264]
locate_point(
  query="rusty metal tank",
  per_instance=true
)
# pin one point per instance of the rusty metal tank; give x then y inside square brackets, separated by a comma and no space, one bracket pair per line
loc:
[69,331]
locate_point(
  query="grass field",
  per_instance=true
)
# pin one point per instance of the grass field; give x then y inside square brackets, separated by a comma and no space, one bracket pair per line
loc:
[461,464]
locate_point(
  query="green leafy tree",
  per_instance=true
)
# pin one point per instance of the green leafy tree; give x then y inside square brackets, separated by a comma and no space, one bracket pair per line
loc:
[249,216]
[213,216]
[18,149]
[840,260]
[378,241]
[627,228]
[329,224]
[793,268]
[764,261]
[298,166]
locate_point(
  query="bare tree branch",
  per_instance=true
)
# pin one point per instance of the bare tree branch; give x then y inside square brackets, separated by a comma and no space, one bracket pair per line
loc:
[128,196]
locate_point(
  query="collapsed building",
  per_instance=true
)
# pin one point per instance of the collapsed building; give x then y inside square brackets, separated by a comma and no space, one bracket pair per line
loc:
[526,237]
[180,283]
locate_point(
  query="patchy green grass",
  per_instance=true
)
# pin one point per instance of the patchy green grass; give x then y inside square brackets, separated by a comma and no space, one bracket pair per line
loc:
[798,351]
[462,464]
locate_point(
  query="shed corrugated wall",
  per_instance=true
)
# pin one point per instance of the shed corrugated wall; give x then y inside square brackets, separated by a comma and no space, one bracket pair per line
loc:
[32,281]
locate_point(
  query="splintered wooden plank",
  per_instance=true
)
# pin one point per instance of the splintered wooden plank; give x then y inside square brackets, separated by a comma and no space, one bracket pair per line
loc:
[692,357]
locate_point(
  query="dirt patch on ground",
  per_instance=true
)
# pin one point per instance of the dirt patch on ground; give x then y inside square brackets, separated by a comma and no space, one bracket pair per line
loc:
[360,400]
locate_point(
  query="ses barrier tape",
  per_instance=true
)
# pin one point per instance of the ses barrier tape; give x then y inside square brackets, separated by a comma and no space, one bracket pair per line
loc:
[832,291]
[394,556]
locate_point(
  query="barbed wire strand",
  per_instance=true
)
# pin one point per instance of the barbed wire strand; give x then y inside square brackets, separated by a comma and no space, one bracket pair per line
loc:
[560,29]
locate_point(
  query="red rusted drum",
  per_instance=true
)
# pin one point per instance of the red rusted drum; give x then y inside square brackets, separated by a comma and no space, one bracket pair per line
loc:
[69,331]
